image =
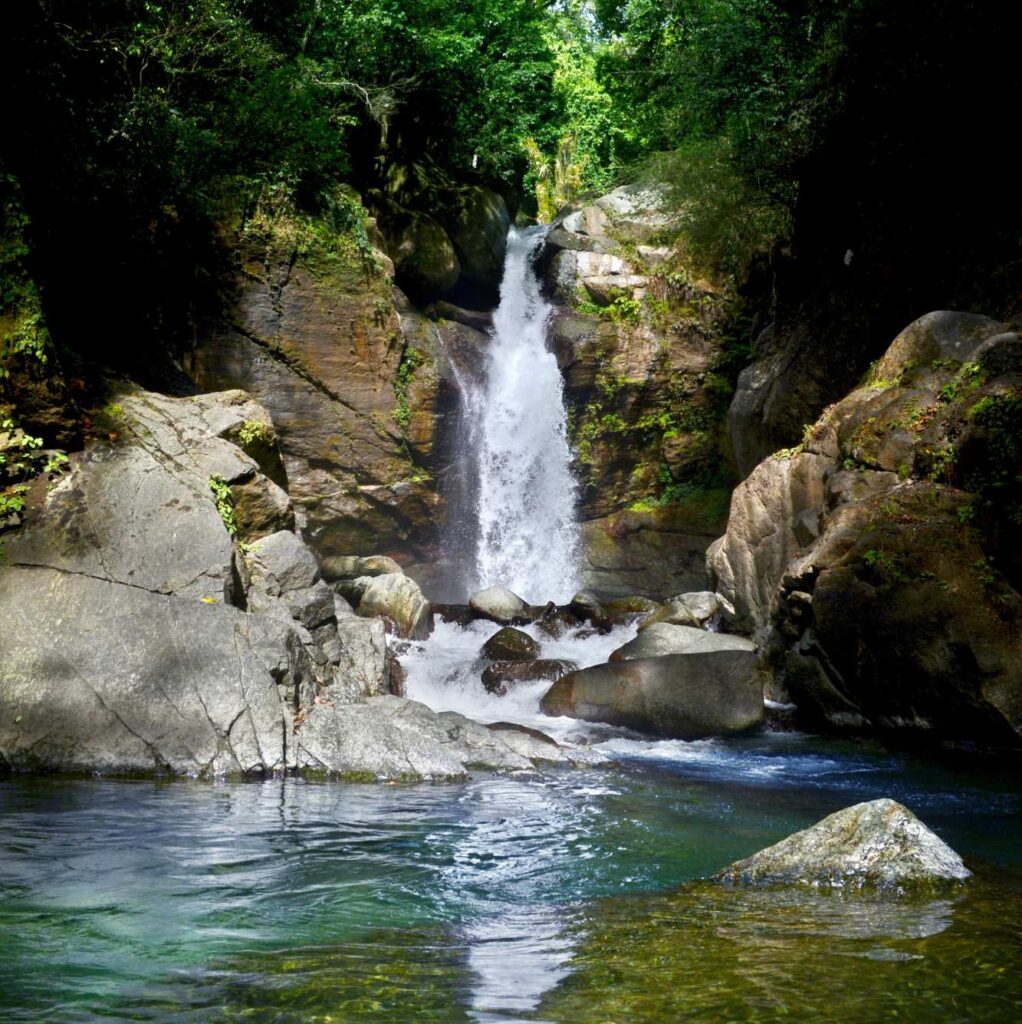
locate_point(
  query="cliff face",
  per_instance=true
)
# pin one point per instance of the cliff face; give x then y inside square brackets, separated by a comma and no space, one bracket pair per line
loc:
[640,336]
[876,561]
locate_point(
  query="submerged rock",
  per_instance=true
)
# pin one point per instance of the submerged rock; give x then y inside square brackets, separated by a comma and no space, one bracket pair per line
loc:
[510,644]
[499,604]
[662,638]
[879,844]
[679,696]
[499,677]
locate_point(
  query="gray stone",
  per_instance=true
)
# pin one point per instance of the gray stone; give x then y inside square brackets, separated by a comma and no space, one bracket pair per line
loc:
[284,561]
[498,604]
[879,844]
[510,644]
[662,638]
[680,696]
[312,606]
[397,598]
[393,738]
[942,334]
[103,676]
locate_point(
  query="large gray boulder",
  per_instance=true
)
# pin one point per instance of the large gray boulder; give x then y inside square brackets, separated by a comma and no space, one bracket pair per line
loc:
[126,646]
[663,638]
[393,738]
[97,675]
[680,696]
[879,844]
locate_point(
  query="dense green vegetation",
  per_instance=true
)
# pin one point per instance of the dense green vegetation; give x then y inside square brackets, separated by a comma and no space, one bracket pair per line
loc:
[139,130]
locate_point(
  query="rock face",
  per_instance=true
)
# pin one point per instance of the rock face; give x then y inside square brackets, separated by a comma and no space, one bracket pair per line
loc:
[877,563]
[680,696]
[393,738]
[637,333]
[349,372]
[878,845]
[122,651]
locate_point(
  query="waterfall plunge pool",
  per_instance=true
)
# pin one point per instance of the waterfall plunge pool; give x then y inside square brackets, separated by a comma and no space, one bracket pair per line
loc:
[565,896]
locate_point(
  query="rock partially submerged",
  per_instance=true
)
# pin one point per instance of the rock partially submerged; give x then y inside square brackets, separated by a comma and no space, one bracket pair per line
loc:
[510,644]
[679,696]
[879,844]
[501,676]
[393,738]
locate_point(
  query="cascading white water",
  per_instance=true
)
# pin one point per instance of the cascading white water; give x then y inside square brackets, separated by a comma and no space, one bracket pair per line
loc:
[527,536]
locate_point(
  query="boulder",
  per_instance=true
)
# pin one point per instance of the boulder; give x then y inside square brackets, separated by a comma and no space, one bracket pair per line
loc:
[98,675]
[501,676]
[284,562]
[390,737]
[498,604]
[696,609]
[510,644]
[876,562]
[664,638]
[878,845]
[679,696]
[398,599]
[425,260]
[477,222]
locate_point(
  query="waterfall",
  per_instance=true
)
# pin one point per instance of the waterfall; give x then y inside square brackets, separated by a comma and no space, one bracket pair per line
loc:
[515,442]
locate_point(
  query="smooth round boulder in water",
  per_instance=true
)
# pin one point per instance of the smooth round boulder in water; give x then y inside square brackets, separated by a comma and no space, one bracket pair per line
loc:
[499,677]
[879,844]
[662,638]
[510,644]
[679,696]
[498,604]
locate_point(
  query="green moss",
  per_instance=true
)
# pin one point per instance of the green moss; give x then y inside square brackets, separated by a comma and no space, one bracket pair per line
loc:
[412,359]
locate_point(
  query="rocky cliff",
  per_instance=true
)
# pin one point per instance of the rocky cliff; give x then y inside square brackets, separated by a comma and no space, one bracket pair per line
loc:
[876,561]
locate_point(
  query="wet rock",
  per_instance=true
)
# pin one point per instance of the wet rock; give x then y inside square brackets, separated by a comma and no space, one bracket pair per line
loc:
[696,609]
[588,608]
[501,676]
[498,604]
[509,644]
[664,638]
[460,614]
[397,598]
[680,696]
[879,844]
[558,621]
[627,609]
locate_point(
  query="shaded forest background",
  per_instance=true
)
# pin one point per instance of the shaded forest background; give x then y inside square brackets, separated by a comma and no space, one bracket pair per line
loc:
[846,163]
